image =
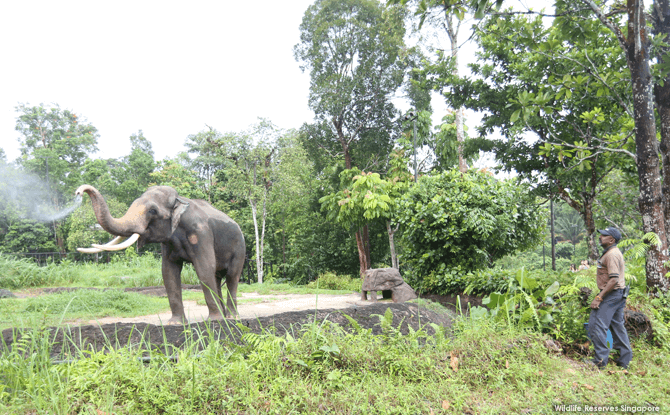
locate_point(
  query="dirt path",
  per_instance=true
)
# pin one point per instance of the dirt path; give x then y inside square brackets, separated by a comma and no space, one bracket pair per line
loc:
[251,305]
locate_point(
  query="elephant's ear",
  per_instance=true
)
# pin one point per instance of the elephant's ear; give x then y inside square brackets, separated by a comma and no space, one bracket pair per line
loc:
[180,206]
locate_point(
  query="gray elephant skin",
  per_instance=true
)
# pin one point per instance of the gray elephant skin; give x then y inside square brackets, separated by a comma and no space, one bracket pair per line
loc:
[189,230]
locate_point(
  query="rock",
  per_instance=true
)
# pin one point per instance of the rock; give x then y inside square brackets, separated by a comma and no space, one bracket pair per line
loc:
[6,294]
[637,323]
[387,279]
[552,346]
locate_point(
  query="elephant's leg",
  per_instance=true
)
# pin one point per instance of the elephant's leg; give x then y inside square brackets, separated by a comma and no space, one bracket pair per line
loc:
[205,267]
[172,280]
[233,275]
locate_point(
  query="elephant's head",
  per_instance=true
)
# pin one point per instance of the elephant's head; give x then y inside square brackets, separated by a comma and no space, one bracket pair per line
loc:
[153,217]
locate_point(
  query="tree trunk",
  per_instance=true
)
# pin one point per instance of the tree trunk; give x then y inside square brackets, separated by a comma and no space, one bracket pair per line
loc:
[458,114]
[391,232]
[553,236]
[590,224]
[361,259]
[662,25]
[366,245]
[259,246]
[362,241]
[651,198]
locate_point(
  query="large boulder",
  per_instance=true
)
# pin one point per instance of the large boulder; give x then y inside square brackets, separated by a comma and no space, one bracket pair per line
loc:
[387,279]
[6,294]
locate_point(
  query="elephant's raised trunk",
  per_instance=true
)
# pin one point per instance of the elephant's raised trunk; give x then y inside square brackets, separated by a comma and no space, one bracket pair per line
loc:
[118,227]
[126,226]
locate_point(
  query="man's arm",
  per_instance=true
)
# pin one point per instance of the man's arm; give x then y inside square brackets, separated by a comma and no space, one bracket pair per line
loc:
[611,283]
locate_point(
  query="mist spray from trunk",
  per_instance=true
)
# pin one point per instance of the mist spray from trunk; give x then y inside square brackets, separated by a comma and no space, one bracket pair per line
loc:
[27,196]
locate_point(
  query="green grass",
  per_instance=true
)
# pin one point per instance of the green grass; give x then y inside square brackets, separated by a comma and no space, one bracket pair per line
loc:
[79,305]
[142,271]
[325,370]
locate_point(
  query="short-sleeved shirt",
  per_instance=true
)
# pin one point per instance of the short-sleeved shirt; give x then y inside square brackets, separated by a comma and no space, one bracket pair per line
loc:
[611,265]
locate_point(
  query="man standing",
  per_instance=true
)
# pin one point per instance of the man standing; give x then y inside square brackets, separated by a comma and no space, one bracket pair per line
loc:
[607,308]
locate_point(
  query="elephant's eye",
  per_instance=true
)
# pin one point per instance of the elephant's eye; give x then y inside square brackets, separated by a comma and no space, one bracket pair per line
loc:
[153,211]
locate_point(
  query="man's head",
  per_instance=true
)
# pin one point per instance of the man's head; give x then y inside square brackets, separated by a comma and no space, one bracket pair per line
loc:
[609,236]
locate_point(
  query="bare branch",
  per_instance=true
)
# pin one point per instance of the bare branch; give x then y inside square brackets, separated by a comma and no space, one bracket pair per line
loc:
[607,22]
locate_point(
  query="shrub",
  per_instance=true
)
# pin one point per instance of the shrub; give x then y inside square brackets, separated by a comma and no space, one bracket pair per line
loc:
[332,281]
[455,221]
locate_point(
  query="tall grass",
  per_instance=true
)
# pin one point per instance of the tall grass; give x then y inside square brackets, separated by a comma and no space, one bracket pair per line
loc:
[479,368]
[122,271]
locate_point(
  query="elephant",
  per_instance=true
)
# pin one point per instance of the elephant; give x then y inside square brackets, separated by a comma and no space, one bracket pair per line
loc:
[189,230]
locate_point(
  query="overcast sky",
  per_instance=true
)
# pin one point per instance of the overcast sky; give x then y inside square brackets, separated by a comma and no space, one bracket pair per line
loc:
[167,68]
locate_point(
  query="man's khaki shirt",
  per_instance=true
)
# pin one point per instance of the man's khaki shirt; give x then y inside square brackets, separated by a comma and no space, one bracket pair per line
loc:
[611,265]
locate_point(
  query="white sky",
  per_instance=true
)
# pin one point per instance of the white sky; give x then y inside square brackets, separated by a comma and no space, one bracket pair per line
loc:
[167,68]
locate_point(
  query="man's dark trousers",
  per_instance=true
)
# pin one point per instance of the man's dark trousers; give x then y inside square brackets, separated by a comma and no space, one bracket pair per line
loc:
[610,315]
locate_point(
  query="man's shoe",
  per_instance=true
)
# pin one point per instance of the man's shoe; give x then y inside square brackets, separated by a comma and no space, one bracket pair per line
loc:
[621,365]
[591,363]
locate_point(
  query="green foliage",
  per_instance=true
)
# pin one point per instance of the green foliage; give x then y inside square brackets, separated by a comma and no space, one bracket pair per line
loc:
[332,281]
[365,196]
[25,235]
[62,136]
[457,222]
[525,302]
[171,172]
[133,172]
[317,368]
[354,51]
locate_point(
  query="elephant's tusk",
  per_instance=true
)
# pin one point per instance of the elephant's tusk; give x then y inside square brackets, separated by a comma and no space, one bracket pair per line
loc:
[96,250]
[119,247]
[89,250]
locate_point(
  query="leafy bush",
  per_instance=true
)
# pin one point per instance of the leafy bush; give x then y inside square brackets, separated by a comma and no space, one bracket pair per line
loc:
[461,221]
[332,281]
[525,303]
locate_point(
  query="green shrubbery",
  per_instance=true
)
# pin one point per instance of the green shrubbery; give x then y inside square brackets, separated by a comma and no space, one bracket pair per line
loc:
[332,281]
[454,221]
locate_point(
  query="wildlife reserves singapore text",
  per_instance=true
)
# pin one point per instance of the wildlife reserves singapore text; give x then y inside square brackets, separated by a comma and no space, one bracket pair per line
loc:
[612,408]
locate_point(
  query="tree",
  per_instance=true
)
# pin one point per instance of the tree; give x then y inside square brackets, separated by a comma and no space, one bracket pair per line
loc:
[465,221]
[635,39]
[290,197]
[353,51]
[57,138]
[364,198]
[259,165]
[54,145]
[441,14]
[172,172]
[207,161]
[133,172]
[578,113]
[636,47]
[27,235]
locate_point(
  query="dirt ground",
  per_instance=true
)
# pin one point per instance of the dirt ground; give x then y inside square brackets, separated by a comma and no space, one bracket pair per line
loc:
[252,305]
[258,313]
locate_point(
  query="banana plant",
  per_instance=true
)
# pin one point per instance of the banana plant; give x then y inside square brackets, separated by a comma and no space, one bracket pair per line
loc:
[525,303]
